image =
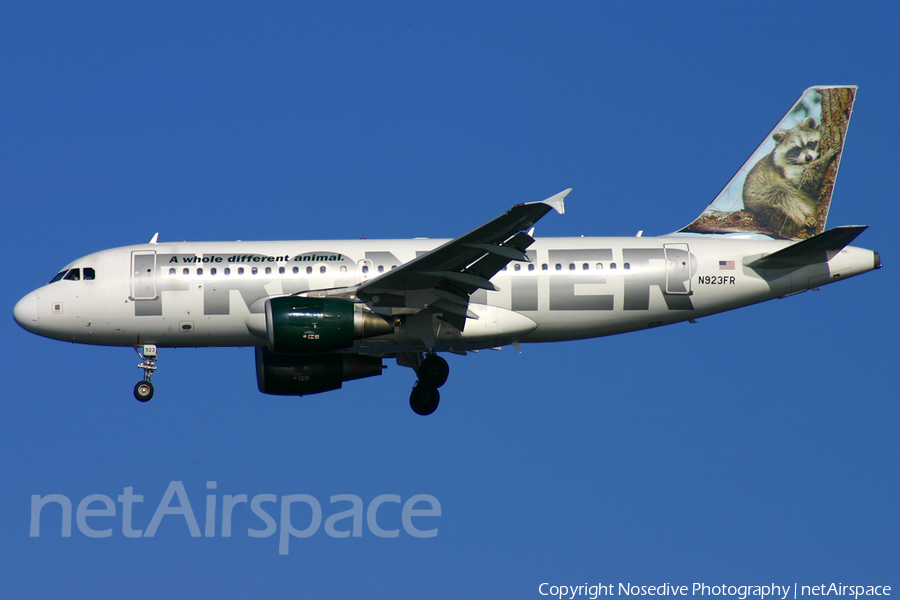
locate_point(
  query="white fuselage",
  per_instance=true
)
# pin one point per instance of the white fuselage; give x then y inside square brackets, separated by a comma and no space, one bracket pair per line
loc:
[213,293]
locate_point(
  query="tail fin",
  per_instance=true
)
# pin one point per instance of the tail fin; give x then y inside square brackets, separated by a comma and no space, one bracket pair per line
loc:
[784,189]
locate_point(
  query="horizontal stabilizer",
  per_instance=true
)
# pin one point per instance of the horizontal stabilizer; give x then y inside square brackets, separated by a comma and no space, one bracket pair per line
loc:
[820,248]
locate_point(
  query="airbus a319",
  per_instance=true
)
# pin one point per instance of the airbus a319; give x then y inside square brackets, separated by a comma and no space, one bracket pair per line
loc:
[320,313]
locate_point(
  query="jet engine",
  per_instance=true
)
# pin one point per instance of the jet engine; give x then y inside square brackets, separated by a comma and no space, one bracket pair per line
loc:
[288,375]
[298,325]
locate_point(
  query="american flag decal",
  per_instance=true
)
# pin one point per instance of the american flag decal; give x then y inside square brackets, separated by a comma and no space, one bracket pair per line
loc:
[726,265]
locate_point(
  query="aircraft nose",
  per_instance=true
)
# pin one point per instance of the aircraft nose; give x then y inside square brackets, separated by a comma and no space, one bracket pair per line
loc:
[26,312]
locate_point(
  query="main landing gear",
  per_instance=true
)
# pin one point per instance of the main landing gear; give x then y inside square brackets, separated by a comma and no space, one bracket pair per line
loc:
[143,390]
[433,372]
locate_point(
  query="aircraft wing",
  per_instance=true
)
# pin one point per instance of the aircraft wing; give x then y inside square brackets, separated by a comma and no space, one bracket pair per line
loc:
[444,278]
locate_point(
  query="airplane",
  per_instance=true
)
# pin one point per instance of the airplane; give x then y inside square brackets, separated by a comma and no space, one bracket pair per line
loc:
[320,313]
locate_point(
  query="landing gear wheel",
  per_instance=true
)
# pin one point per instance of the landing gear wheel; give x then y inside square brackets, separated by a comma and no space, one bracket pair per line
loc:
[424,399]
[433,371]
[143,391]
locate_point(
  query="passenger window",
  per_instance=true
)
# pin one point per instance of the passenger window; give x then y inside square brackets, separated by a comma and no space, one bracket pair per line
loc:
[626,266]
[544,267]
[558,267]
[89,274]
[212,271]
[343,269]
[281,270]
[518,267]
[254,271]
[268,270]
[171,272]
[393,267]
[199,271]
[228,270]
[585,267]
[504,268]
[381,268]
[186,271]
[73,275]
[531,267]
[296,270]
[322,270]
[365,269]
[599,266]
[612,266]
[571,266]
[240,270]
[309,270]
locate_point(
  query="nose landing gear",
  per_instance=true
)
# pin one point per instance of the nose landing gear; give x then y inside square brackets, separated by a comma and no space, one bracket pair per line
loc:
[143,390]
[425,397]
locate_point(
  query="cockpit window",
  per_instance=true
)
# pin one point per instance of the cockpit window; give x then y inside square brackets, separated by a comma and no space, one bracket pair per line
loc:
[88,273]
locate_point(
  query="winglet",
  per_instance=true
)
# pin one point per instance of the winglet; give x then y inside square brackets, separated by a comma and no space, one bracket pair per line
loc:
[556,202]
[154,238]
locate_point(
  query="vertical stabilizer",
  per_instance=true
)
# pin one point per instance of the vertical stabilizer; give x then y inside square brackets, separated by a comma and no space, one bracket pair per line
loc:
[784,190]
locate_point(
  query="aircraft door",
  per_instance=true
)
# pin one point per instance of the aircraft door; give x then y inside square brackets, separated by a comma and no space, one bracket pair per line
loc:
[143,275]
[678,269]
[365,269]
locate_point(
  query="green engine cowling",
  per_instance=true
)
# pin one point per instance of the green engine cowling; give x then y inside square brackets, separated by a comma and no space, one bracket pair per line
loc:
[291,375]
[298,325]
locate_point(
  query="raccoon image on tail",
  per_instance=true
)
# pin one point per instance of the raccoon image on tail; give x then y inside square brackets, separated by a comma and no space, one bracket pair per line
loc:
[782,189]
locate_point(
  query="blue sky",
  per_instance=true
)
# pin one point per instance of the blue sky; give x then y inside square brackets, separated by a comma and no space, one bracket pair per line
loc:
[754,447]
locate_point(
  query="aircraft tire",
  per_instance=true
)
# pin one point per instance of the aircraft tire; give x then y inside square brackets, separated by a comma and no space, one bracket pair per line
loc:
[424,399]
[433,371]
[143,391]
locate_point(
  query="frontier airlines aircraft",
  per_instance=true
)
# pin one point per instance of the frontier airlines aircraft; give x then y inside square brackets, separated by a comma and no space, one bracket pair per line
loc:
[323,312]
